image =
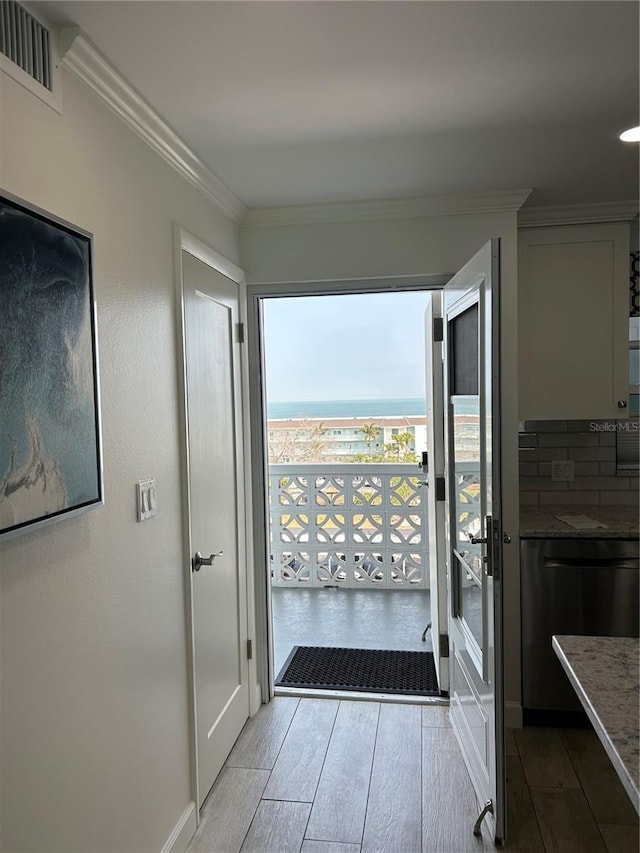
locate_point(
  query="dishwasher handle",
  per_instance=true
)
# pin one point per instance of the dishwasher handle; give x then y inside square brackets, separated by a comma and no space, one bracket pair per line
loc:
[589,562]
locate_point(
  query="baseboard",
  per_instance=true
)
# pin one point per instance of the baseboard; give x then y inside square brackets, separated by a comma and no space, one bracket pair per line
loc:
[513,715]
[183,831]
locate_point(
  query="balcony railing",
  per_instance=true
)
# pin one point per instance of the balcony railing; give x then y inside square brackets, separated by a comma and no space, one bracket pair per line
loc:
[358,525]
[351,525]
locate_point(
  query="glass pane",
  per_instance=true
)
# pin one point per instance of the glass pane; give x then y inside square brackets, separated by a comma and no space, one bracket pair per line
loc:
[468,510]
[471,605]
[466,459]
[464,351]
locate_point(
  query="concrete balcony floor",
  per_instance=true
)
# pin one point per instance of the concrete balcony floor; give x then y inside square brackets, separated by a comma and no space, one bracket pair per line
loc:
[349,618]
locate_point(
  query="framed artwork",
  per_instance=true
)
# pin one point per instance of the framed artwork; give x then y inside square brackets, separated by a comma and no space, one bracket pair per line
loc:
[50,451]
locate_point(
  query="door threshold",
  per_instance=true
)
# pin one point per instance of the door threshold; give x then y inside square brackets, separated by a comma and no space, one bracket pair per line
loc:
[361,696]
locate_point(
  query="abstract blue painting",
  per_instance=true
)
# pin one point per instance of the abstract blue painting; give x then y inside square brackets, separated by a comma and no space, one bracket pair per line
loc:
[50,460]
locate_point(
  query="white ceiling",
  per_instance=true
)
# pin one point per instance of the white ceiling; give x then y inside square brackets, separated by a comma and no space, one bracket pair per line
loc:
[303,102]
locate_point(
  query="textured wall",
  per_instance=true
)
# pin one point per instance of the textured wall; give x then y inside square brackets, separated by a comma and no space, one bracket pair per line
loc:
[94,716]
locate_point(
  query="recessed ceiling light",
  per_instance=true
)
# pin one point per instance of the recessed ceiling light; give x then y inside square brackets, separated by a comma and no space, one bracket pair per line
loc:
[631,135]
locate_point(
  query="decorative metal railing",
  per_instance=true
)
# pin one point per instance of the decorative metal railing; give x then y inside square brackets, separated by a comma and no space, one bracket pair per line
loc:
[358,525]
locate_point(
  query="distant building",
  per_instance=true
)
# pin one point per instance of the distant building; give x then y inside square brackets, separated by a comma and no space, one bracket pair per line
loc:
[338,439]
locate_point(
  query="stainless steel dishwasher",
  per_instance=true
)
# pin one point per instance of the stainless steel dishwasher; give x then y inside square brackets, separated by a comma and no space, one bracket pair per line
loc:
[571,586]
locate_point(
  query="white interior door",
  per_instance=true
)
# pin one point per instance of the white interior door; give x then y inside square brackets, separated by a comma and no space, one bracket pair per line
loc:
[436,491]
[474,547]
[219,598]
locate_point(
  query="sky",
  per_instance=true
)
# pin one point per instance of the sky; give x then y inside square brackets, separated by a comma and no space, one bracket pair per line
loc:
[365,346]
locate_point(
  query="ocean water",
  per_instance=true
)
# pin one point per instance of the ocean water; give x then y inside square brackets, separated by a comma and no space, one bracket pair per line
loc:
[384,407]
[346,408]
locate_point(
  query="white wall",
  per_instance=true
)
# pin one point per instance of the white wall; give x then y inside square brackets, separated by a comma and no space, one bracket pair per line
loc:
[421,245]
[94,727]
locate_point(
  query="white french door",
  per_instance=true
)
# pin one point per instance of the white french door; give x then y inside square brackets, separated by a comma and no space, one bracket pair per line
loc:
[471,352]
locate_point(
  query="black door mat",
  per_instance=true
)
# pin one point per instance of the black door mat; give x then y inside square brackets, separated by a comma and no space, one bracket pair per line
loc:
[365,670]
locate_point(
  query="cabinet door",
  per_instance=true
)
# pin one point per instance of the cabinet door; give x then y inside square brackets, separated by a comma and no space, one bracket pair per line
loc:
[573,296]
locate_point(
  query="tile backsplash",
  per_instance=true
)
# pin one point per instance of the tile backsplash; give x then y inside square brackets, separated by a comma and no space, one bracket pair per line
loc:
[591,445]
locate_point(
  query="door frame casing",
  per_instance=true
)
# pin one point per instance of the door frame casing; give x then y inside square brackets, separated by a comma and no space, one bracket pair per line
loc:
[187,242]
[256,292]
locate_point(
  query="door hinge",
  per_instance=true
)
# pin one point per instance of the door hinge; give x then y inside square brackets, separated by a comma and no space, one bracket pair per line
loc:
[443,641]
[438,329]
[249,649]
[441,489]
[240,332]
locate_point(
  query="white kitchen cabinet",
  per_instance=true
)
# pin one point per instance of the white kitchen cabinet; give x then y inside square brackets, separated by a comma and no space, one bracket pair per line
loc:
[573,308]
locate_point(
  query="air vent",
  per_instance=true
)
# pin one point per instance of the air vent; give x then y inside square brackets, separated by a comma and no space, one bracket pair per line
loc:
[25,41]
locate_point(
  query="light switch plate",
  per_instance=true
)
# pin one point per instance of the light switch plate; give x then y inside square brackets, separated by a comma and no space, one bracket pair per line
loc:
[146,499]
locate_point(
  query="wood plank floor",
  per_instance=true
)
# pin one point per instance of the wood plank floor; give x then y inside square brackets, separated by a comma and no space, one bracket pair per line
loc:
[329,776]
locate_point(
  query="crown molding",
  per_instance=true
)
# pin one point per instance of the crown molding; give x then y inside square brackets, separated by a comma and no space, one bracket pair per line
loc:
[403,208]
[578,214]
[82,57]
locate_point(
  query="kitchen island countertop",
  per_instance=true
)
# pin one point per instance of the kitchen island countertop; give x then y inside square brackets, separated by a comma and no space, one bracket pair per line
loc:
[604,673]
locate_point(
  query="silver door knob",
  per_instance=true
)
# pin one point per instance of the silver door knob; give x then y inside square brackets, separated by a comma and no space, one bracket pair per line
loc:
[198,560]
[622,404]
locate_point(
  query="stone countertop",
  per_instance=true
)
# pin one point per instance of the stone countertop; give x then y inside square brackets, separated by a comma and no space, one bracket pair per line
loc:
[543,522]
[604,673]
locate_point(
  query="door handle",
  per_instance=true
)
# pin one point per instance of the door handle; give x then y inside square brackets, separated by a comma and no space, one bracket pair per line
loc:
[491,531]
[198,560]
